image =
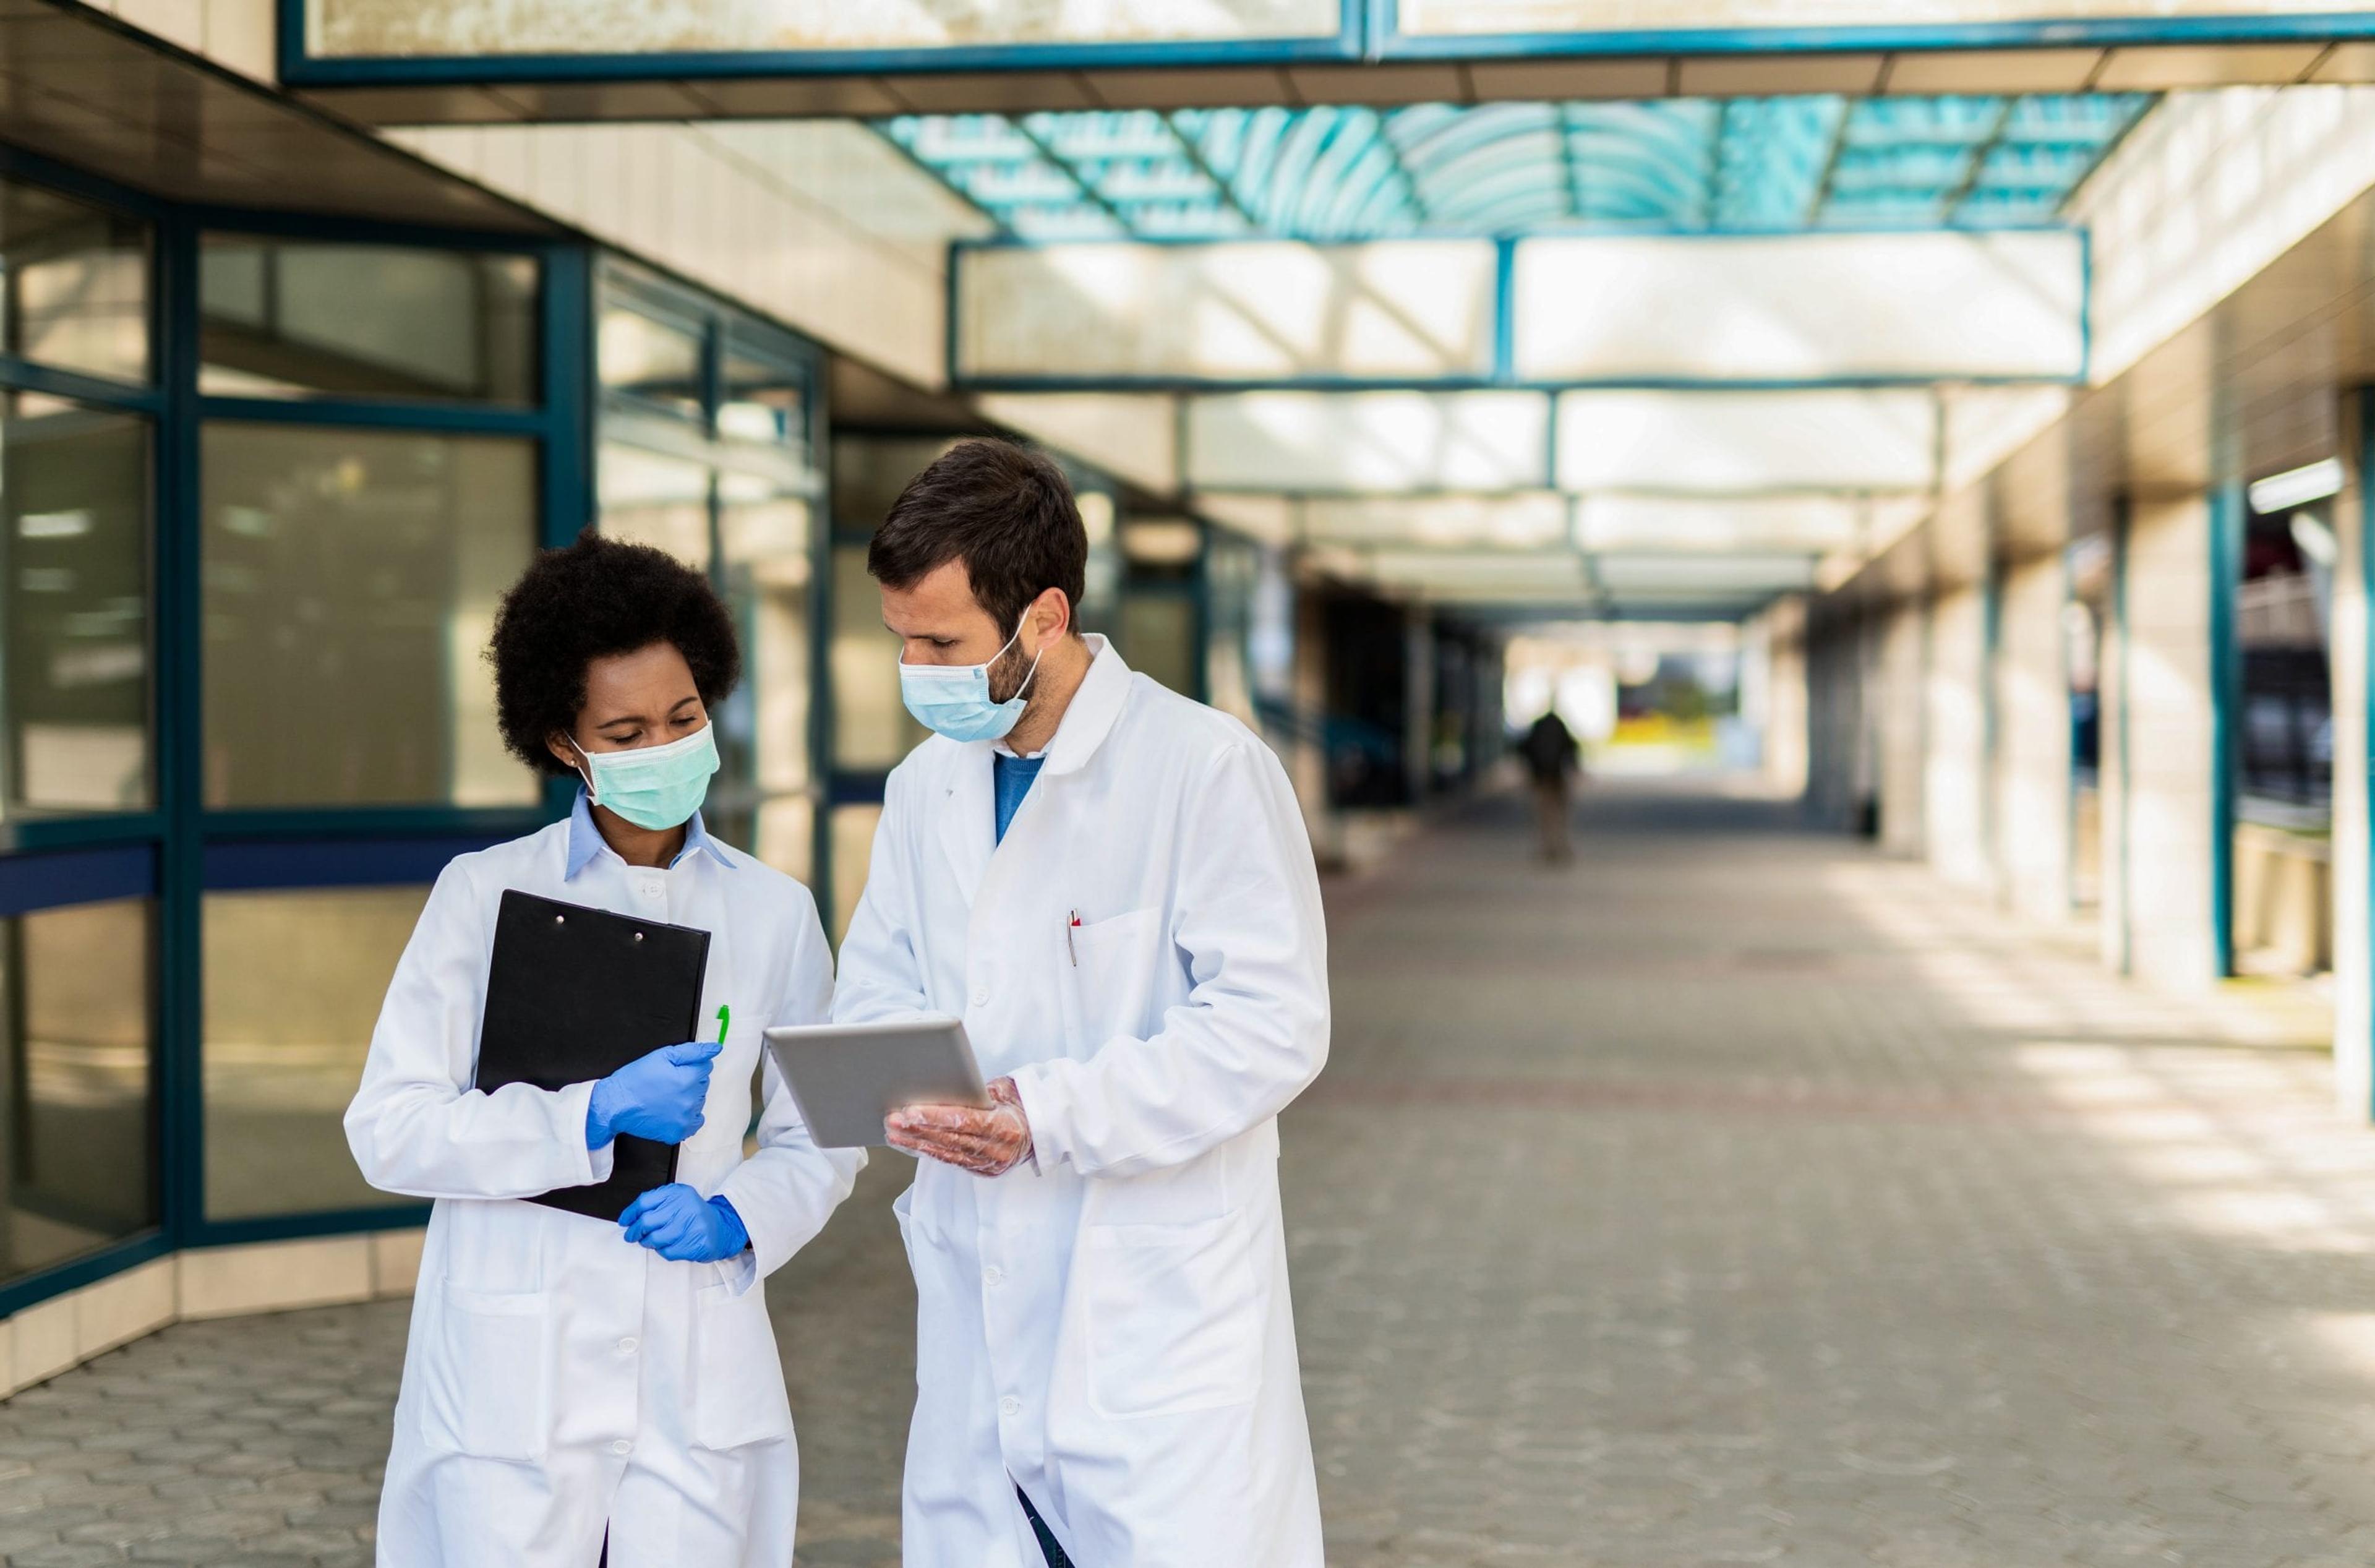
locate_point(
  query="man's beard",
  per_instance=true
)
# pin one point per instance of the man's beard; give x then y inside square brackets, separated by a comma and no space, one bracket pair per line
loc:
[1006,673]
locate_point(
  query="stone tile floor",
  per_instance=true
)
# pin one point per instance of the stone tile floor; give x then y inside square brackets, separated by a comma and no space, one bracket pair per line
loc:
[1734,1195]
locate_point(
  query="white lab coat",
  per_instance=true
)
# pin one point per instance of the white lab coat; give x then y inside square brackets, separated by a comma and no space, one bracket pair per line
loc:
[1110,1327]
[559,1378]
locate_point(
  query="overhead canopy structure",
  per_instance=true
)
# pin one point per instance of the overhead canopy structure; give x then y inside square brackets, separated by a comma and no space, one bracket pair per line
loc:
[1497,303]
[1758,165]
[461,61]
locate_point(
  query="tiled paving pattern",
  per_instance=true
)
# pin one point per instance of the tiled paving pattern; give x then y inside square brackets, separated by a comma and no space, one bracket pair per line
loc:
[1733,1197]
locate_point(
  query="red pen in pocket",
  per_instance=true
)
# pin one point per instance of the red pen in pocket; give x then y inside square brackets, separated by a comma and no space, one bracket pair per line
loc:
[1068,948]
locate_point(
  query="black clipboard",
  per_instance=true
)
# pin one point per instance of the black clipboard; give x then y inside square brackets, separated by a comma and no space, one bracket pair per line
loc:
[574,994]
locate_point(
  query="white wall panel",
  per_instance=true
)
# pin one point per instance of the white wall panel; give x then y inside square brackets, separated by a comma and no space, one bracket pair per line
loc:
[2208,191]
[1685,523]
[1373,443]
[1717,576]
[1132,436]
[1443,522]
[820,223]
[1730,443]
[1235,312]
[1455,17]
[366,28]
[1803,307]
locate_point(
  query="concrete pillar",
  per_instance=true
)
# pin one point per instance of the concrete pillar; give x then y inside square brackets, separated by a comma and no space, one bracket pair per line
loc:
[2112,848]
[1900,725]
[2032,772]
[2354,756]
[1786,697]
[1955,804]
[2161,857]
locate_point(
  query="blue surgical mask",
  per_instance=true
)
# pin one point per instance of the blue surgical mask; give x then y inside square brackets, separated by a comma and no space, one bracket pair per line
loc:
[656,787]
[954,700]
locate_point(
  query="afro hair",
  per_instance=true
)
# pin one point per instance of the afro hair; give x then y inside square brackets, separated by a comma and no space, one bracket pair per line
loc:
[590,600]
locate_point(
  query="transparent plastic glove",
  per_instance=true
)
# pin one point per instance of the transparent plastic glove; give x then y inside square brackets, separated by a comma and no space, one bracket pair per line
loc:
[988,1143]
[658,1096]
[675,1222]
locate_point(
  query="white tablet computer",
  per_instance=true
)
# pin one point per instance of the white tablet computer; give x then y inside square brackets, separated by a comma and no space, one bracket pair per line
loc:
[847,1078]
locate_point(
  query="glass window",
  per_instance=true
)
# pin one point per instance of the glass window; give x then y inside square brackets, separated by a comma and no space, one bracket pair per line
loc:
[350,579]
[654,361]
[76,284]
[1158,637]
[79,1114]
[283,319]
[766,403]
[872,728]
[654,497]
[762,795]
[853,853]
[73,500]
[294,982]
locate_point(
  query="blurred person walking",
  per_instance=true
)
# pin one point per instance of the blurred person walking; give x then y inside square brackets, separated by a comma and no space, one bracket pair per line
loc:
[1552,760]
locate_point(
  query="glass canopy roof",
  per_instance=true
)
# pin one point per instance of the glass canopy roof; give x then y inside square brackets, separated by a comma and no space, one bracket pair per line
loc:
[1773,164]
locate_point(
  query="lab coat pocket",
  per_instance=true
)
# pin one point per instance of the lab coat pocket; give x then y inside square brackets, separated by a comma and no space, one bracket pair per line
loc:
[739,1397]
[486,1384]
[1109,984]
[1174,1318]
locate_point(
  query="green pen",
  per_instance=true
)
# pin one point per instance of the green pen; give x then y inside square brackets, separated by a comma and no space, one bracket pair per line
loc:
[725,1020]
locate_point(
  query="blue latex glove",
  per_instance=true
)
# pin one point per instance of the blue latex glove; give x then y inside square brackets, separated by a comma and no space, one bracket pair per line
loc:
[659,1097]
[674,1222]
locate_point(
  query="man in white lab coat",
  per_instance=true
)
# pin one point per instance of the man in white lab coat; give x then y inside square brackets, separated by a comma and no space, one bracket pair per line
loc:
[569,1378]
[1112,885]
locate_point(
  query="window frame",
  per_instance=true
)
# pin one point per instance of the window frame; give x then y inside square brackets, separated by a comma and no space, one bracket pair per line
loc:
[725,330]
[191,849]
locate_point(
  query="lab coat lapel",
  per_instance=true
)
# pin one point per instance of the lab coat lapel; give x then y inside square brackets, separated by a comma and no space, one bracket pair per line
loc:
[967,826]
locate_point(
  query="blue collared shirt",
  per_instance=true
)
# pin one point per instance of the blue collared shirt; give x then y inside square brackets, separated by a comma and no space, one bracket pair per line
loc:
[585,840]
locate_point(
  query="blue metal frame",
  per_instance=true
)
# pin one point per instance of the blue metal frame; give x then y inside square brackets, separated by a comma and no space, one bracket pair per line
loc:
[2075,33]
[2226,521]
[723,330]
[300,68]
[1503,338]
[2123,519]
[1992,606]
[178,850]
[2365,761]
[1369,31]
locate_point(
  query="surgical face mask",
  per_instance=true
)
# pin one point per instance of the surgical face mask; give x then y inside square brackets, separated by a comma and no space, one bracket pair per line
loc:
[954,700]
[656,787]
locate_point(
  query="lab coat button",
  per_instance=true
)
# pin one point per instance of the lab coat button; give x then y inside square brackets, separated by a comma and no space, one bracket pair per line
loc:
[627,1346]
[994,1275]
[621,1446]
[981,995]
[1009,1405]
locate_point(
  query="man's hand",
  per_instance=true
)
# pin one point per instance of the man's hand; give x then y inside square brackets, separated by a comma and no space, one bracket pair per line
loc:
[988,1143]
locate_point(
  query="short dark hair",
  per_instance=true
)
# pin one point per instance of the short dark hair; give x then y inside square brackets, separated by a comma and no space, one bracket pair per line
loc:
[1005,511]
[590,600]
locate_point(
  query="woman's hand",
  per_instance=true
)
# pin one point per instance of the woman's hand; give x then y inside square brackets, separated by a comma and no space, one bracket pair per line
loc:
[675,1222]
[660,1096]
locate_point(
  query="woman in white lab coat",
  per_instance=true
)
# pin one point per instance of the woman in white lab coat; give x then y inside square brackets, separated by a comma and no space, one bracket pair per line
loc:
[568,1380]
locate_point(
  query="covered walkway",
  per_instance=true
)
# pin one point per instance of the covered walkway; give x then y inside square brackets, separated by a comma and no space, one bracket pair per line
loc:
[1738,1196]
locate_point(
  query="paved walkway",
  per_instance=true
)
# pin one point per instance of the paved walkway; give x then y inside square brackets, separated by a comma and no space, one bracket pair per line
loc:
[1734,1197]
